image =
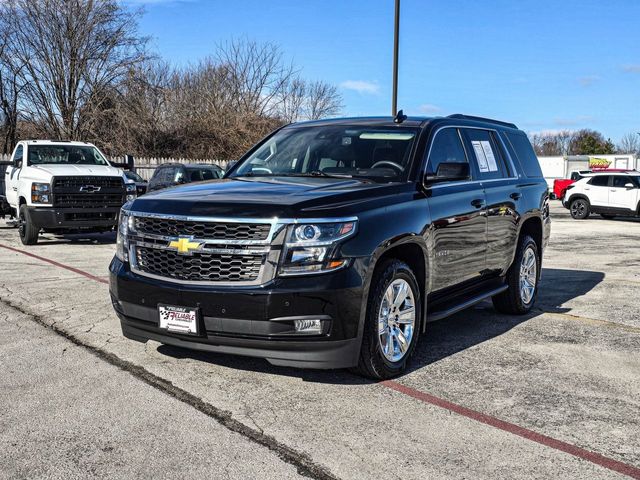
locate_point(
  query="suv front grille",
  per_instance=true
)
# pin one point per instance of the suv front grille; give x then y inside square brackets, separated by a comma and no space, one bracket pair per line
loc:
[88,192]
[225,252]
[200,267]
[205,230]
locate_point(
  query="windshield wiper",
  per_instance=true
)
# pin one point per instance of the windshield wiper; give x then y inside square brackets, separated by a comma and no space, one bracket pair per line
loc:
[320,173]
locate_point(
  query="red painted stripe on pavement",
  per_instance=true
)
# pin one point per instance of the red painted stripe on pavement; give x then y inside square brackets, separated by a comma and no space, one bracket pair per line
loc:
[596,458]
[606,462]
[57,264]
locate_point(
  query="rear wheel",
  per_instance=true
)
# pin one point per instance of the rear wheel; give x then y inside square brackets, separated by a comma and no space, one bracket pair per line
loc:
[522,280]
[28,231]
[579,208]
[392,325]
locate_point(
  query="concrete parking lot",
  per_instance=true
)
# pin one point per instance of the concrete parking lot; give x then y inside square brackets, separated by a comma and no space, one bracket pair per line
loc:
[553,394]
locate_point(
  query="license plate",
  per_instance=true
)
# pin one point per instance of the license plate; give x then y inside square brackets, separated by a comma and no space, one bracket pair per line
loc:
[178,319]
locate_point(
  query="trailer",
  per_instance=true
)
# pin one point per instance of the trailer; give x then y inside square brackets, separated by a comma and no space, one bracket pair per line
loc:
[561,167]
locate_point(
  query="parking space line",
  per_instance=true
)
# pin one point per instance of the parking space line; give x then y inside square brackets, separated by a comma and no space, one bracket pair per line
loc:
[592,457]
[593,321]
[57,264]
[596,458]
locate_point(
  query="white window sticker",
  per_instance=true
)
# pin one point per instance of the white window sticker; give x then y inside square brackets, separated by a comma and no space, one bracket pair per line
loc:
[482,160]
[491,159]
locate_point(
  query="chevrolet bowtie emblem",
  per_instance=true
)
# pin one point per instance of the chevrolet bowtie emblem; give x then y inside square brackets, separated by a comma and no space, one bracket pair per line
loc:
[185,245]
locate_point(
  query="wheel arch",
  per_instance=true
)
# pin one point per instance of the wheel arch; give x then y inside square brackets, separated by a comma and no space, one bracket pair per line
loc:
[410,249]
[577,196]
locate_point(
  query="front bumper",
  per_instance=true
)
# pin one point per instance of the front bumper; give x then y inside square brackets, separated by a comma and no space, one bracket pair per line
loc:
[73,218]
[251,321]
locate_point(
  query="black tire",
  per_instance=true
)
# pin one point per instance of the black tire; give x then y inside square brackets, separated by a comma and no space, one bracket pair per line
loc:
[372,362]
[608,216]
[28,231]
[580,208]
[511,300]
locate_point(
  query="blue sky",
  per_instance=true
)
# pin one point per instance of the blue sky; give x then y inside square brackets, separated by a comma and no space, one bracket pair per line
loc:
[543,64]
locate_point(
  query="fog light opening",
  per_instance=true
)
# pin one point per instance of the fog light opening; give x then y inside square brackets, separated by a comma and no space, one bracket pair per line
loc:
[309,327]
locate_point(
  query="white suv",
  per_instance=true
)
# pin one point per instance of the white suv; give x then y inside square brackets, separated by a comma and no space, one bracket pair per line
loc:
[609,194]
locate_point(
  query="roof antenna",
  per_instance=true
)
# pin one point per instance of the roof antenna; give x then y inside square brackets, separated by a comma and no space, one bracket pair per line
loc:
[400,117]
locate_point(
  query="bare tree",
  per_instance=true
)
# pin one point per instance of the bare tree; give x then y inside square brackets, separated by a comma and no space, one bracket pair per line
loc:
[255,75]
[74,52]
[323,100]
[552,143]
[630,143]
[293,101]
[10,90]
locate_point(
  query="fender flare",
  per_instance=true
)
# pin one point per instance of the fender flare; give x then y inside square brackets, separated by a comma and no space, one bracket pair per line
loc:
[380,250]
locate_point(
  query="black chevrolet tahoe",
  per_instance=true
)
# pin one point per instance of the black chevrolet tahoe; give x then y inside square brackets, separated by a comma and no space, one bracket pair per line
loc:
[332,243]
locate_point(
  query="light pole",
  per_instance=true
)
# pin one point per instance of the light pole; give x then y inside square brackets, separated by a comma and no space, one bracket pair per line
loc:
[396,32]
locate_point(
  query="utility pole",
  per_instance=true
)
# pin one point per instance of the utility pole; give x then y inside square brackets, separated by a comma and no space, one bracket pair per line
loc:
[396,33]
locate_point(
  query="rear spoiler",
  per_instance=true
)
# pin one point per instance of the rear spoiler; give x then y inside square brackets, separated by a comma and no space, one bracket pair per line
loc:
[127,165]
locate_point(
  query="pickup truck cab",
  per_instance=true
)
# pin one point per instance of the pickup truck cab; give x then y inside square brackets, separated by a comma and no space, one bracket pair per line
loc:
[59,186]
[331,244]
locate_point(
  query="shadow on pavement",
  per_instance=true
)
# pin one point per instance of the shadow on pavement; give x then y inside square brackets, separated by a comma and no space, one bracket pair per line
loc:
[78,238]
[442,338]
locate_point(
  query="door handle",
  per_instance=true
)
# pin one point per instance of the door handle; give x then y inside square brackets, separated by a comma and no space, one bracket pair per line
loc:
[478,203]
[516,195]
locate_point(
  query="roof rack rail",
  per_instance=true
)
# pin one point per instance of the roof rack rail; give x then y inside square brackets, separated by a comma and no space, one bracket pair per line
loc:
[482,119]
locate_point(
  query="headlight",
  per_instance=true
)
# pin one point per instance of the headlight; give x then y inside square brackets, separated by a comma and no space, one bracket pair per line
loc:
[125,225]
[131,191]
[40,193]
[311,247]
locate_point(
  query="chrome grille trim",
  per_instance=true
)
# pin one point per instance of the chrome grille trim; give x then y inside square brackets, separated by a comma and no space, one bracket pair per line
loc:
[261,249]
[272,245]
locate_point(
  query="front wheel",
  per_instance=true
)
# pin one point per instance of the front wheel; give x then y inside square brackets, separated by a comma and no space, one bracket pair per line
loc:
[522,280]
[28,231]
[392,325]
[579,208]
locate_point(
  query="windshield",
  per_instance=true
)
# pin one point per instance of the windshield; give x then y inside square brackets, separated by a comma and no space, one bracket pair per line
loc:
[65,155]
[380,154]
[133,176]
[203,173]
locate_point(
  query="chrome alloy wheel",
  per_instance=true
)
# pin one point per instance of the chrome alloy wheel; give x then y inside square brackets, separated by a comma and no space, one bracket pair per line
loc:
[396,320]
[528,275]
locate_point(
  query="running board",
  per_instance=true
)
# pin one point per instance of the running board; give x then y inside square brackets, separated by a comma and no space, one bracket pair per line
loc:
[469,302]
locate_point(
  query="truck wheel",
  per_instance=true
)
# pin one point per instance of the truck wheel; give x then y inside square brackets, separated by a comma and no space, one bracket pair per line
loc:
[28,231]
[522,280]
[579,208]
[392,325]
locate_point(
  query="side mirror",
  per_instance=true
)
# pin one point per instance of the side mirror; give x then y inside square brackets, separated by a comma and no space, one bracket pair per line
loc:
[17,163]
[448,172]
[629,185]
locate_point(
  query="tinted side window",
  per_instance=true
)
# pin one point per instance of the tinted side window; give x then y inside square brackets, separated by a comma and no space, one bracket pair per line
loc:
[488,157]
[619,181]
[525,154]
[600,181]
[446,148]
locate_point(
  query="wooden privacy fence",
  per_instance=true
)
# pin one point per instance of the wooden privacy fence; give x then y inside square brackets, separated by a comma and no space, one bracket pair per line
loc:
[144,166]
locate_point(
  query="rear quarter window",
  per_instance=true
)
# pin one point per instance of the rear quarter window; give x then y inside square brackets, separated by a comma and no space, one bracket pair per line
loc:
[524,154]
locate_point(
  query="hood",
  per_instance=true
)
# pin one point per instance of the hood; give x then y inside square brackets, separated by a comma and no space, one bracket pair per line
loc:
[45,172]
[273,197]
